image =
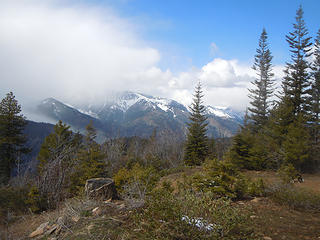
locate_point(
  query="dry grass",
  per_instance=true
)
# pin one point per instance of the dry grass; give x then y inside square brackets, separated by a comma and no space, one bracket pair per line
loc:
[311,181]
[280,222]
[28,223]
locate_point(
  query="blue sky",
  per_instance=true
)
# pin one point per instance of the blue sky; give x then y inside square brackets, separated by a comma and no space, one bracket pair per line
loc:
[187,28]
[85,50]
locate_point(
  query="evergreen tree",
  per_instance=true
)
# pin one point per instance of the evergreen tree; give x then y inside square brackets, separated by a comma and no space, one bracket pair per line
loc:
[239,152]
[90,161]
[197,141]
[315,130]
[276,130]
[296,146]
[263,85]
[296,83]
[316,89]
[12,139]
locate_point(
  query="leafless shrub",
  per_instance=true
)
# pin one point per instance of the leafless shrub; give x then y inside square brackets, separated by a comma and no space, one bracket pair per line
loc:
[54,175]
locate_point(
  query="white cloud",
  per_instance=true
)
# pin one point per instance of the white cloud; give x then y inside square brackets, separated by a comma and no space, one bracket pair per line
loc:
[68,52]
[224,73]
[81,53]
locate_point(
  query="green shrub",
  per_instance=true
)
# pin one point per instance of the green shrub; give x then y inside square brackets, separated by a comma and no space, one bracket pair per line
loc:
[12,203]
[166,185]
[190,215]
[287,173]
[13,199]
[35,202]
[224,180]
[169,171]
[256,188]
[137,181]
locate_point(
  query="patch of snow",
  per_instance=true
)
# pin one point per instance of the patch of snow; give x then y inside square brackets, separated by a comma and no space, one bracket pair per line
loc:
[69,105]
[90,113]
[127,103]
[220,107]
[199,223]
[163,107]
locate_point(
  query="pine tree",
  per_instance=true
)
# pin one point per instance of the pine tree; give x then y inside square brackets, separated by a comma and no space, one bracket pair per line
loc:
[263,85]
[296,83]
[12,139]
[197,141]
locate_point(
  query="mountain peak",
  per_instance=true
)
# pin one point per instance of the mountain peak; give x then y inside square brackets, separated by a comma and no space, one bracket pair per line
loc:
[49,101]
[126,100]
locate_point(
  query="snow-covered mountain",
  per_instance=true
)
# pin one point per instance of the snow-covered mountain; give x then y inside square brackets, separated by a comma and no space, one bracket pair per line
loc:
[129,114]
[124,102]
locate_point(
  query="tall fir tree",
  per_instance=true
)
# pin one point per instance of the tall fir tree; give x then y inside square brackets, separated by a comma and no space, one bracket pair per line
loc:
[316,88]
[196,148]
[296,83]
[263,84]
[12,139]
[315,130]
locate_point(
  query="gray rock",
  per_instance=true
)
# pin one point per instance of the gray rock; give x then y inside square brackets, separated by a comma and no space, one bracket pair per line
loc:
[101,189]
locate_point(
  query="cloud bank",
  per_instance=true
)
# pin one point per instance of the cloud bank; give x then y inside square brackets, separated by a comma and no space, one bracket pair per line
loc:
[80,53]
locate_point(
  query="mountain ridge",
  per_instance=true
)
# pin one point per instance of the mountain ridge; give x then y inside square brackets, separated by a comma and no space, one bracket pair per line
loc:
[136,114]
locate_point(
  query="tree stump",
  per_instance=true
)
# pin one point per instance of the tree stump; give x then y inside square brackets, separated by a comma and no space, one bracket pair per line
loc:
[101,189]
